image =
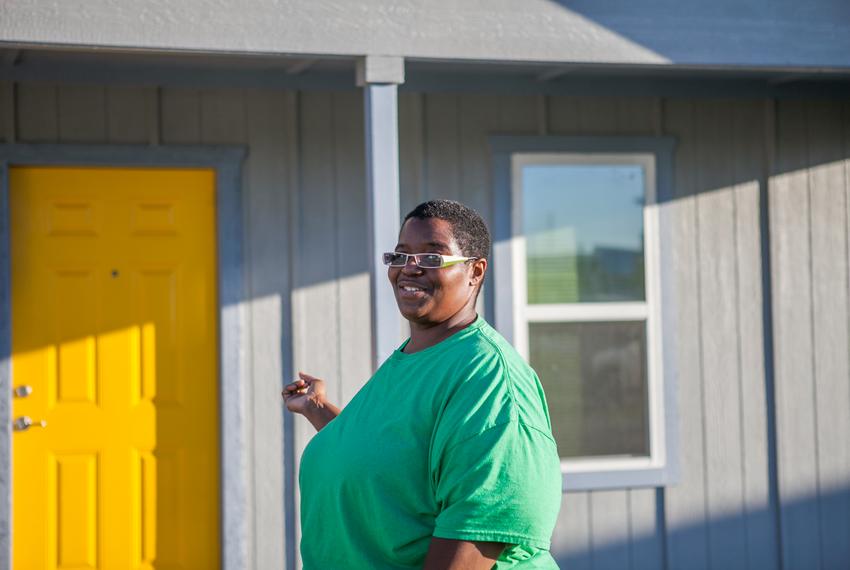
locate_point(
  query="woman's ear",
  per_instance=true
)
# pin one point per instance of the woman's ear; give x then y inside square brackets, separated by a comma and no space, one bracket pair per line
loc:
[479,268]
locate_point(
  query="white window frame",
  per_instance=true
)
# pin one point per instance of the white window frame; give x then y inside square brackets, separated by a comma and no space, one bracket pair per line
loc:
[512,314]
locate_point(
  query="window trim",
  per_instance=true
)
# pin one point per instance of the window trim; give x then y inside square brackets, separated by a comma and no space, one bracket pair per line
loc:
[511,316]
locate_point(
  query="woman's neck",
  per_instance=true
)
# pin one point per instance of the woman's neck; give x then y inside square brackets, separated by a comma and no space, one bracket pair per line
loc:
[425,336]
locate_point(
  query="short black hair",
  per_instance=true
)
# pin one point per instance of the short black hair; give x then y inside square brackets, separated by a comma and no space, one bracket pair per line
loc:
[470,231]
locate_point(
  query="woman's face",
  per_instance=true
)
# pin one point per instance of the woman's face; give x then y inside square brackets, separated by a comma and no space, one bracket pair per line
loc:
[431,296]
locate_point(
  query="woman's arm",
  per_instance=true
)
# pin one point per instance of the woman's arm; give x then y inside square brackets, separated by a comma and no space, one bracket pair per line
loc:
[306,396]
[322,414]
[445,554]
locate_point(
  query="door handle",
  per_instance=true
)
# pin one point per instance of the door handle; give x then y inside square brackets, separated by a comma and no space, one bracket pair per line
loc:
[24,423]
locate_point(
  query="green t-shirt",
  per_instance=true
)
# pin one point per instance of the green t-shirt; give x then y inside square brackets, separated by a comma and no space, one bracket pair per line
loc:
[453,441]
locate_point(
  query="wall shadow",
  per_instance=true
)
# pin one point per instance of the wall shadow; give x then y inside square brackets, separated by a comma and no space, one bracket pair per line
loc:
[619,555]
[727,32]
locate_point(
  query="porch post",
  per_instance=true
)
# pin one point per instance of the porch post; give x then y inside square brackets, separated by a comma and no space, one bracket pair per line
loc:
[380,76]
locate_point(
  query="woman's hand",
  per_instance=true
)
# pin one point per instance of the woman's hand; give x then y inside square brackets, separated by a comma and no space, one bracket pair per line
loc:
[306,392]
[306,396]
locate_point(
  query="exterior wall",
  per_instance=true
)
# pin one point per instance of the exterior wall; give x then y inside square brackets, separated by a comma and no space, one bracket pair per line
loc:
[760,481]
[722,513]
[779,33]
[809,237]
[721,509]
[740,453]
[34,113]
[330,296]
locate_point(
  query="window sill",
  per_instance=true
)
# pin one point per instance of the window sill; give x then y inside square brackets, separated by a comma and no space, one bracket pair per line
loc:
[625,478]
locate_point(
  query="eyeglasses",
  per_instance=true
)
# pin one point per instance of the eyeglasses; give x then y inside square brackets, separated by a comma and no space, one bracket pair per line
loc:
[423,260]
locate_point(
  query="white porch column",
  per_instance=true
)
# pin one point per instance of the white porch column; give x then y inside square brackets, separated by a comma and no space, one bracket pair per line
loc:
[380,76]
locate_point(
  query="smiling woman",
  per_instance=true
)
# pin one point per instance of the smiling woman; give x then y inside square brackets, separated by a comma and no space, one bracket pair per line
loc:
[445,458]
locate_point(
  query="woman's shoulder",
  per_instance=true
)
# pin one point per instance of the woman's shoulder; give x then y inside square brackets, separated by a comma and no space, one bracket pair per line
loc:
[480,339]
[490,372]
[490,349]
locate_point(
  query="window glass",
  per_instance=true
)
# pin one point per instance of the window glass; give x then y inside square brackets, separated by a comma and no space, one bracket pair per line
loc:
[595,378]
[583,226]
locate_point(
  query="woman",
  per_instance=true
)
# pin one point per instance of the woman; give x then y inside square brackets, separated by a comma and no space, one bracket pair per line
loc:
[445,458]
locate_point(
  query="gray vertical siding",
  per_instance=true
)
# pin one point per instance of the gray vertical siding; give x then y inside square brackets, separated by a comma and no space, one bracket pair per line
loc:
[718,299]
[351,249]
[267,280]
[749,166]
[685,503]
[331,283]
[308,307]
[330,295]
[792,296]
[830,358]
[809,225]
[721,514]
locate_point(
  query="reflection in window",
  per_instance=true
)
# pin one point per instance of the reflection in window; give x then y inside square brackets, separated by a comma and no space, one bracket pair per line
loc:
[594,375]
[583,226]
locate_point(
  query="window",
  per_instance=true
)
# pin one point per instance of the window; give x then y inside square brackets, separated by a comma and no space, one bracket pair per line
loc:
[582,255]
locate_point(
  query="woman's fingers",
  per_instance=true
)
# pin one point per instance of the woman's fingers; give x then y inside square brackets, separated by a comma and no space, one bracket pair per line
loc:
[300,386]
[306,377]
[297,385]
[294,388]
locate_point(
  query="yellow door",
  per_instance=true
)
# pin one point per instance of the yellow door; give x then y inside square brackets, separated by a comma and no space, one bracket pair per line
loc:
[114,346]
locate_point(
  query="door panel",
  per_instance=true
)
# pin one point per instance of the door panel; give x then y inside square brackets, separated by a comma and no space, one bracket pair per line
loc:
[114,326]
